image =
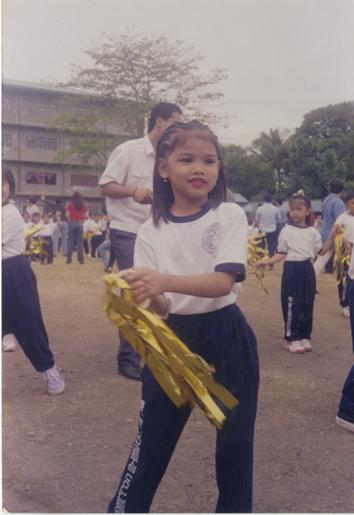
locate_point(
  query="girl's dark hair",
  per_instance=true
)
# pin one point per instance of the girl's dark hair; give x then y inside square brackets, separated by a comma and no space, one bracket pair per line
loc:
[349,195]
[299,196]
[77,200]
[307,202]
[178,134]
[8,177]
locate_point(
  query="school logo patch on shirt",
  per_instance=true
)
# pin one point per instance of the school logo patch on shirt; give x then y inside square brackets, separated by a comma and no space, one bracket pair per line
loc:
[211,237]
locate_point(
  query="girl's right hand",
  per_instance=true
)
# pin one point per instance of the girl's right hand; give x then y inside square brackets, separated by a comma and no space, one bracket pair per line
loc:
[335,230]
[145,283]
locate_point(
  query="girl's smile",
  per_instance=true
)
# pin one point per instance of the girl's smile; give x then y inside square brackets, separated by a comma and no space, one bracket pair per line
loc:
[192,169]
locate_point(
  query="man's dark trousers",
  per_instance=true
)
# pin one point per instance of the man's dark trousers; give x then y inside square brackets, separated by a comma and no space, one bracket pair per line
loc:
[123,247]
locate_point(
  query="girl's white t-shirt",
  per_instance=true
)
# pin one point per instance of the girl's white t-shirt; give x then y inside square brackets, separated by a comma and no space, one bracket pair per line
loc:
[299,243]
[347,221]
[13,237]
[212,240]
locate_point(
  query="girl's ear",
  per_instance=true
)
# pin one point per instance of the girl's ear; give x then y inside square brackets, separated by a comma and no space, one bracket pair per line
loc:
[162,168]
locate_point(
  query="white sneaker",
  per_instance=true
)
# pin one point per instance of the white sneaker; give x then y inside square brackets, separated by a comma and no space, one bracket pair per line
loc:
[296,347]
[9,343]
[54,380]
[306,344]
[346,312]
[345,423]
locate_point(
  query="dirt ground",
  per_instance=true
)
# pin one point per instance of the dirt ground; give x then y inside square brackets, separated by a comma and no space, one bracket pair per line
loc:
[65,454]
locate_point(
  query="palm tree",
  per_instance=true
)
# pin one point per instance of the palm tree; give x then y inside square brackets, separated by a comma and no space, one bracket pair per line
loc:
[272,149]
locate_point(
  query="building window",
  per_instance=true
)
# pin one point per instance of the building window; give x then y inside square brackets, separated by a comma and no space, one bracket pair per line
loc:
[6,139]
[41,109]
[48,179]
[41,142]
[6,105]
[90,181]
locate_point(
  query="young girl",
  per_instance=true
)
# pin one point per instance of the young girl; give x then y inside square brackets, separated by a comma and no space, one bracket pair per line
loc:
[76,213]
[187,259]
[21,311]
[298,244]
[345,220]
[47,236]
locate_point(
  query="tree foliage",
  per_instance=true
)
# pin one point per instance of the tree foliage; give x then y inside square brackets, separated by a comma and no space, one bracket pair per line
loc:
[135,72]
[246,173]
[321,148]
[271,148]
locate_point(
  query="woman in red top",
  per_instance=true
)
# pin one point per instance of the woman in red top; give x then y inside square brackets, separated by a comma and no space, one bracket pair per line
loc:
[76,212]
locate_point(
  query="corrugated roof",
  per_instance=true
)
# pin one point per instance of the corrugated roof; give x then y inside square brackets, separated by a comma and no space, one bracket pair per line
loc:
[22,84]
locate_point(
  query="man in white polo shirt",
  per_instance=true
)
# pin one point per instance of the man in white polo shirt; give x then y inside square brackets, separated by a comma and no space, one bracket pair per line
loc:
[127,184]
[267,217]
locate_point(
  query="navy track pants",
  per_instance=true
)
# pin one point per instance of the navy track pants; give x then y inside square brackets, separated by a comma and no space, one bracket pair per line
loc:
[224,339]
[298,289]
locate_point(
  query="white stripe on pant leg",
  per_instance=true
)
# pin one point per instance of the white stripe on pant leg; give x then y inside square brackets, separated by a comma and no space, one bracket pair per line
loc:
[131,468]
[289,317]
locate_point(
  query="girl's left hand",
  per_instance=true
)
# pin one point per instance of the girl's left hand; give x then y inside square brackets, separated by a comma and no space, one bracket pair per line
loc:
[144,282]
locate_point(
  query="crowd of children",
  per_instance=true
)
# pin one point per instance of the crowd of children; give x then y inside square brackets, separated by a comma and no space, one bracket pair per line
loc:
[188,257]
[47,240]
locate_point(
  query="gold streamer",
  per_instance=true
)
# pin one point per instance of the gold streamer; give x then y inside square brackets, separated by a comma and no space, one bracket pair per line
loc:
[88,235]
[257,251]
[32,230]
[34,246]
[185,377]
[341,259]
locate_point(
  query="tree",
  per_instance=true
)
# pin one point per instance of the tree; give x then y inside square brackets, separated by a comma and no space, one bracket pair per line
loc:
[321,148]
[135,72]
[271,148]
[246,173]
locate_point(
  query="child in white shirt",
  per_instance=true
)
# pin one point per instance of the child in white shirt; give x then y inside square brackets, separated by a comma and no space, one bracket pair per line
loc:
[298,244]
[21,311]
[46,234]
[345,220]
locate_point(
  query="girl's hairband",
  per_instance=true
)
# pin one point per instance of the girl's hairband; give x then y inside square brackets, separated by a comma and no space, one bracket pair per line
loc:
[299,193]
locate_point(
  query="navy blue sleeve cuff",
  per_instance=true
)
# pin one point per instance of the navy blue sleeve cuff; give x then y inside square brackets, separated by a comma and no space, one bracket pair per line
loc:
[233,268]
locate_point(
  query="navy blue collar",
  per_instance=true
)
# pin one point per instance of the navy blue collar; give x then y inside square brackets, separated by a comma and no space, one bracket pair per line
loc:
[189,218]
[299,227]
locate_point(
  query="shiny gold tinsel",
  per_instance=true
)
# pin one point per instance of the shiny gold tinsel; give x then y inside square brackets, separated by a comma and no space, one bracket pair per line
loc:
[341,259]
[185,377]
[257,251]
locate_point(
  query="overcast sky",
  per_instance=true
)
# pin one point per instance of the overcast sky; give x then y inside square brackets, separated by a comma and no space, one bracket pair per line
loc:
[284,57]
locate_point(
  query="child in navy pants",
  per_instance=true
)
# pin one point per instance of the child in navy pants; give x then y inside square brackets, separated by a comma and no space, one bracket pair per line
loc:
[298,244]
[187,260]
[21,312]
[345,415]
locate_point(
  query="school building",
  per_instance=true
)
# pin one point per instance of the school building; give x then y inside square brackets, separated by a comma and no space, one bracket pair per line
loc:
[35,146]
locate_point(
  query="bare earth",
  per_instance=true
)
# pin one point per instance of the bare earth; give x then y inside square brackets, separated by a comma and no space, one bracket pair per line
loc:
[65,454]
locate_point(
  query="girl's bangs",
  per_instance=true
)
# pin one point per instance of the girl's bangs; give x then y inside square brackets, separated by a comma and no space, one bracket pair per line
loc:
[180,137]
